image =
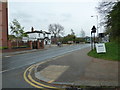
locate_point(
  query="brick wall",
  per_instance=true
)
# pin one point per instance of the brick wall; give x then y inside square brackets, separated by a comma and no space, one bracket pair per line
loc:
[3,24]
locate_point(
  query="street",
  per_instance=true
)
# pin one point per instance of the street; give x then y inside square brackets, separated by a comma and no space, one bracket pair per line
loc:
[14,66]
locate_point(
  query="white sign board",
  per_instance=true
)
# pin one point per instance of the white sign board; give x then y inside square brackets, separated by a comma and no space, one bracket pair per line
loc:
[100,48]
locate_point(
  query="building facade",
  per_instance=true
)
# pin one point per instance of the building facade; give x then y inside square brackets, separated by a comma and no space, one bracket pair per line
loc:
[3,24]
[35,35]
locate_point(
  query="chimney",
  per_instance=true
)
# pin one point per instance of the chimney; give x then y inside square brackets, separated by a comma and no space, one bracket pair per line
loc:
[32,29]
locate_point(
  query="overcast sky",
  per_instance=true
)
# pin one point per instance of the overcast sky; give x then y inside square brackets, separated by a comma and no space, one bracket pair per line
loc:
[71,14]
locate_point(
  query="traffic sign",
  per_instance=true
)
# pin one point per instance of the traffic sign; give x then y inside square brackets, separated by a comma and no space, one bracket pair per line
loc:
[100,48]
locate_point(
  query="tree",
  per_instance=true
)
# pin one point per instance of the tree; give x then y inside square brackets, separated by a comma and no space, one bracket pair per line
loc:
[56,30]
[69,37]
[72,32]
[114,22]
[17,30]
[11,37]
[104,8]
[111,12]
[82,32]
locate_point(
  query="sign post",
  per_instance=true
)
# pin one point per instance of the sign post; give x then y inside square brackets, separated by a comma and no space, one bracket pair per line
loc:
[93,41]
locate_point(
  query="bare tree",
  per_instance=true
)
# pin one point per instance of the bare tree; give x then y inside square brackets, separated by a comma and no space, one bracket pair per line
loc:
[104,8]
[72,32]
[56,30]
[82,32]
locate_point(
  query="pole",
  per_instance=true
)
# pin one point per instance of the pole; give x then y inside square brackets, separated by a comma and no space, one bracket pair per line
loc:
[94,40]
[97,27]
[97,24]
[97,30]
[91,42]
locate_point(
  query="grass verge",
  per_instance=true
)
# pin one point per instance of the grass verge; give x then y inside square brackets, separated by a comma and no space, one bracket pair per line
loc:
[1,48]
[112,52]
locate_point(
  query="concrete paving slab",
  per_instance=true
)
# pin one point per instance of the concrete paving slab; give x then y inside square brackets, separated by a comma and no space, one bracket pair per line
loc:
[51,73]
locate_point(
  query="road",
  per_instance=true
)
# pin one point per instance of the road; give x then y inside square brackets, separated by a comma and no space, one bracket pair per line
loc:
[15,65]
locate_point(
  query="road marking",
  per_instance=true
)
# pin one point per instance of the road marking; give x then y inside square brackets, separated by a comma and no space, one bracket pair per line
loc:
[24,75]
[15,68]
[50,81]
[38,82]
[5,71]
[7,56]
[33,81]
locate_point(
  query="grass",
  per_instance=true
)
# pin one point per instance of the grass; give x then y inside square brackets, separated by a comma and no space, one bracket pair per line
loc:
[112,52]
[1,48]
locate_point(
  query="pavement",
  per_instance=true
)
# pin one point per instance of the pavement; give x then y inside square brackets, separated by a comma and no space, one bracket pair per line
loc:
[29,51]
[76,68]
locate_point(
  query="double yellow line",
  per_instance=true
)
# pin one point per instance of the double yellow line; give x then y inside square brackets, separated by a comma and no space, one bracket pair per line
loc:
[31,81]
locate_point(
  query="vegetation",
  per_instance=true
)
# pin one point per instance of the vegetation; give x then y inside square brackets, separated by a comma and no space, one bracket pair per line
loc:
[69,38]
[112,52]
[72,32]
[56,30]
[17,31]
[111,13]
[3,48]
[82,33]
[73,38]
[11,37]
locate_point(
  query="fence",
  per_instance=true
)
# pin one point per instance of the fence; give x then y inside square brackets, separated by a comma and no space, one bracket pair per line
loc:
[29,44]
[20,44]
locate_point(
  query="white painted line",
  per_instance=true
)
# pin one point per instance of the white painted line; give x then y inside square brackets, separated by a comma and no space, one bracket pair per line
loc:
[16,67]
[3,71]
[7,56]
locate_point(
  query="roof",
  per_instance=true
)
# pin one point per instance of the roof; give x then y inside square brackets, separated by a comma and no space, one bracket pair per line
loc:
[39,32]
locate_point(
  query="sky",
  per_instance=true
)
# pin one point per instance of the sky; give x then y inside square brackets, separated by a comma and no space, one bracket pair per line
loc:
[71,14]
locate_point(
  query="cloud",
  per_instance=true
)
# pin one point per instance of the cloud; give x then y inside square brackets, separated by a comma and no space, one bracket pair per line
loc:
[66,17]
[21,14]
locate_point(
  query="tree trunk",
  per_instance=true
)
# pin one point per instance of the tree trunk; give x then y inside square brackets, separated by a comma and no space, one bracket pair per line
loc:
[17,42]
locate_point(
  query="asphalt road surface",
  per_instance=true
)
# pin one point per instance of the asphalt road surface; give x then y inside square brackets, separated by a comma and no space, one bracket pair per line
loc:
[14,66]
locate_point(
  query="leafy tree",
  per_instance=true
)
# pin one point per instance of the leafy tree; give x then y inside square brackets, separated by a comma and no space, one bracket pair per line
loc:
[17,30]
[69,38]
[114,22]
[11,37]
[111,13]
[79,40]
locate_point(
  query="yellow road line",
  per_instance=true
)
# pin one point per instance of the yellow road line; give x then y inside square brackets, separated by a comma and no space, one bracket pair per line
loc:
[29,76]
[50,81]
[33,81]
[28,80]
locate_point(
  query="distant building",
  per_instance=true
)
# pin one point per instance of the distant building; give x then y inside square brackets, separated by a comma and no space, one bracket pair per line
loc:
[3,24]
[88,39]
[36,35]
[103,37]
